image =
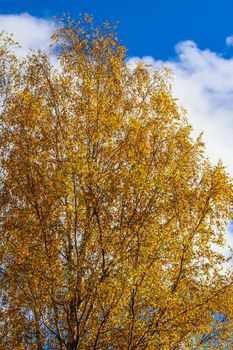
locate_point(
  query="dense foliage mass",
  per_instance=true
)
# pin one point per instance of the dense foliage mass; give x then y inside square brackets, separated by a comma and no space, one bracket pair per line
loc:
[109,209]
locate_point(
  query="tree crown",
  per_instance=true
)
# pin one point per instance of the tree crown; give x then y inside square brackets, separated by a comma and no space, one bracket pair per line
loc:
[109,208]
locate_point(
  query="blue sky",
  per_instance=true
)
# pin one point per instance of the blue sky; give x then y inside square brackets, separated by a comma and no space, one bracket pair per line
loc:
[148,27]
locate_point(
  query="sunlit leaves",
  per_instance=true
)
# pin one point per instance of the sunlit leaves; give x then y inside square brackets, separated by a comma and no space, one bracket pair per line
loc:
[109,209]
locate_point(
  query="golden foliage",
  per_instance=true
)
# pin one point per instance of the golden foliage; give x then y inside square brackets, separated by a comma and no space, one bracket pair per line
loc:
[109,209]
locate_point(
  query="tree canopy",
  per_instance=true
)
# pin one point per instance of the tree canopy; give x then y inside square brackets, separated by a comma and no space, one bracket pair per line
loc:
[109,208]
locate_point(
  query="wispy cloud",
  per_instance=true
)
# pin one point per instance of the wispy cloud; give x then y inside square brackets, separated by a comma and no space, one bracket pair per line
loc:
[229,40]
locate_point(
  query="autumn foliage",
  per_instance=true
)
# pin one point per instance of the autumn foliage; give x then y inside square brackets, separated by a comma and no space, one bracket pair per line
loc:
[109,209]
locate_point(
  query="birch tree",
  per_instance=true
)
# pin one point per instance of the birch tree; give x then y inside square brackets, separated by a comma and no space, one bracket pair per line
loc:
[109,208]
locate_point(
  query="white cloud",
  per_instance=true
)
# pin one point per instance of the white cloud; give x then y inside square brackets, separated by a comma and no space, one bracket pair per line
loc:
[229,40]
[203,83]
[31,32]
